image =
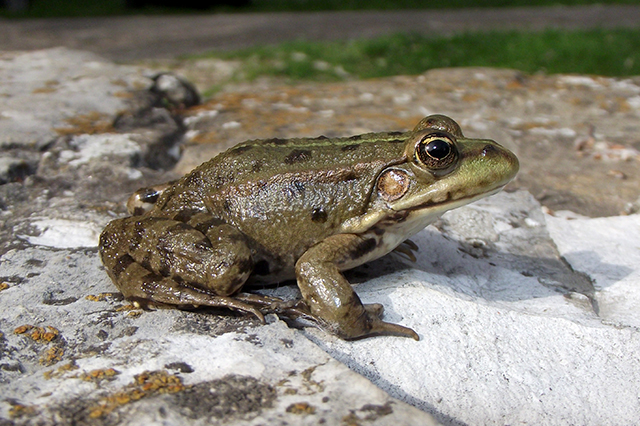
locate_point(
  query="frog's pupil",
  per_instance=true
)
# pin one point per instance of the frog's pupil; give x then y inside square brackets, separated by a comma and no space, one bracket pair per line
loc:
[438,149]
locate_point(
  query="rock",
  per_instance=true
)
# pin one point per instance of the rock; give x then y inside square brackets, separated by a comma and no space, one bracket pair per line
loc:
[175,90]
[44,89]
[73,352]
[524,315]
[607,251]
[14,169]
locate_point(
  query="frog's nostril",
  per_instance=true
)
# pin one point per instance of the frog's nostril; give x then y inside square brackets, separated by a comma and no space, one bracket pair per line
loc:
[488,149]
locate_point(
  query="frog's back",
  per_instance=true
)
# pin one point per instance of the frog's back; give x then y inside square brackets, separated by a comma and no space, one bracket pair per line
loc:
[295,191]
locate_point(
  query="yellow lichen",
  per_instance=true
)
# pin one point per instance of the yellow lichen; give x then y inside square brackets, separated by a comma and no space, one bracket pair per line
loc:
[100,297]
[53,374]
[91,123]
[301,408]
[52,355]
[21,410]
[126,308]
[99,374]
[144,384]
[39,334]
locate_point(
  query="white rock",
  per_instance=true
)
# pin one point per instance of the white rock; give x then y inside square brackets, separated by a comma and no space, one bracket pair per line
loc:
[608,251]
[61,233]
[497,346]
[89,147]
[42,89]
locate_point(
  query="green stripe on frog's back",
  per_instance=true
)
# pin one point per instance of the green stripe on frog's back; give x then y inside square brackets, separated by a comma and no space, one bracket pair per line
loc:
[323,140]
[298,153]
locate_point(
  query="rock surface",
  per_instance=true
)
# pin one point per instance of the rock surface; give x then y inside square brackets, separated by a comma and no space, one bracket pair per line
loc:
[525,315]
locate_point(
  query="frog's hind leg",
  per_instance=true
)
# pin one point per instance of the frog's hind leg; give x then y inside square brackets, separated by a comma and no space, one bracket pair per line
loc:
[166,261]
[152,290]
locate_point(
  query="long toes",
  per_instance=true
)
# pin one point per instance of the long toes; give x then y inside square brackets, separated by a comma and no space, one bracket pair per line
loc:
[257,299]
[381,328]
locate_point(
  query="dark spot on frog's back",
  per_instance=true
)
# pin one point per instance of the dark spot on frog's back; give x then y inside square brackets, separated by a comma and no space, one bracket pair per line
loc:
[319,215]
[121,265]
[299,186]
[349,175]
[297,156]
[256,166]
[351,147]
[184,215]
[241,149]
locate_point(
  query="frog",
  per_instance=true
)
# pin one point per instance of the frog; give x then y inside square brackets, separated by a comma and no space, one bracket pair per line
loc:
[307,209]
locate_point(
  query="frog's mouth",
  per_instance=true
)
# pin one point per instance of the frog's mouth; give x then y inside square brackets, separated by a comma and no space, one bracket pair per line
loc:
[448,203]
[458,202]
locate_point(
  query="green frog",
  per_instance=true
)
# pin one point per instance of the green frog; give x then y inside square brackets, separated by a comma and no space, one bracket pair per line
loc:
[267,211]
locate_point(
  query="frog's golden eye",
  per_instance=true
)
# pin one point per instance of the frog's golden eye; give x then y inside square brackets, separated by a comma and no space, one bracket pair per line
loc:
[437,151]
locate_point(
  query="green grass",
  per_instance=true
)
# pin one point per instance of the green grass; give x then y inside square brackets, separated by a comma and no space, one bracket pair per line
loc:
[603,52]
[63,8]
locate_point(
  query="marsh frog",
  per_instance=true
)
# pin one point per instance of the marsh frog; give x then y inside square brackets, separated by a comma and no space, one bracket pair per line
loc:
[306,209]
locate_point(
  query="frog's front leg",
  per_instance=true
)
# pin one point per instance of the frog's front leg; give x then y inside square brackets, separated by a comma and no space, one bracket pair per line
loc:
[166,261]
[330,296]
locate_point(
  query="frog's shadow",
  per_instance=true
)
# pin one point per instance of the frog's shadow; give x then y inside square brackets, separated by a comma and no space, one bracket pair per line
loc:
[463,267]
[493,273]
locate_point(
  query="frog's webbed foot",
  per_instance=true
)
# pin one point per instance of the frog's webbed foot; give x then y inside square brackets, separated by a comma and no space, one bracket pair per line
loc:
[293,309]
[406,249]
[378,327]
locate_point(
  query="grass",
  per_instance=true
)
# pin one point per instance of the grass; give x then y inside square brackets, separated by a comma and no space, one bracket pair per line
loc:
[603,52]
[66,8]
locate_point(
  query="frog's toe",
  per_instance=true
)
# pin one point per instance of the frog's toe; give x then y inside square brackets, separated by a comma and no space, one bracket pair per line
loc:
[293,309]
[375,309]
[406,249]
[381,328]
[369,324]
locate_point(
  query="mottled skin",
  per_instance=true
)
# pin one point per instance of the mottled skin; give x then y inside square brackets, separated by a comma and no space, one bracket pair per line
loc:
[272,210]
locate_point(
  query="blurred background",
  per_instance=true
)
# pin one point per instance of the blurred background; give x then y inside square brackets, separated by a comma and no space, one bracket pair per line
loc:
[52,8]
[337,39]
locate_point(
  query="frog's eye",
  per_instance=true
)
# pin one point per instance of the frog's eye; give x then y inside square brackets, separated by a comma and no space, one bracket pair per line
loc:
[436,151]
